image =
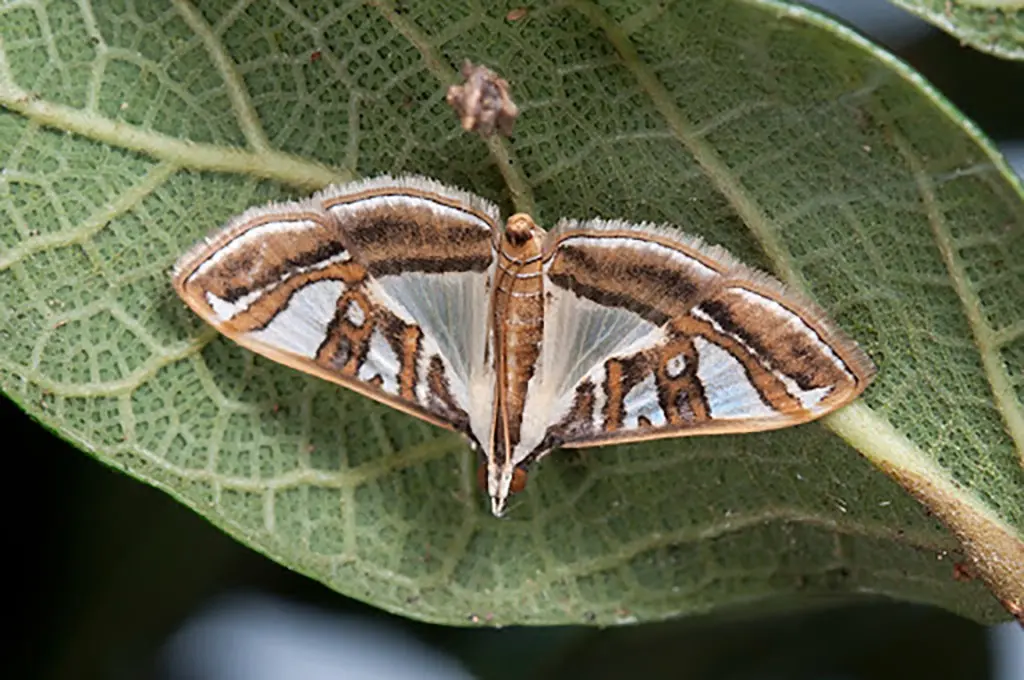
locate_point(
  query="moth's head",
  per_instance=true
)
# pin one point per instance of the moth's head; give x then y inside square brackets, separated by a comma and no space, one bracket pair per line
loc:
[522,238]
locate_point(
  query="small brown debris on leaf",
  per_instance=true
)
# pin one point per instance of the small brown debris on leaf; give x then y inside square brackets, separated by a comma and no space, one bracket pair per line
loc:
[483,102]
[962,572]
[516,14]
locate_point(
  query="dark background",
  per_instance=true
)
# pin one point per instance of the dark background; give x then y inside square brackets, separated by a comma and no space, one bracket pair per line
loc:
[108,569]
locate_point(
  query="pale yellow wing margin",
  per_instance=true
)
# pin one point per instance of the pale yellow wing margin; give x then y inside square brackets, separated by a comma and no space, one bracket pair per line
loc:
[649,333]
[380,286]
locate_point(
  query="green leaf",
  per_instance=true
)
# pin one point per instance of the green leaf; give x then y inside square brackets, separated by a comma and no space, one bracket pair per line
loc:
[131,131]
[994,26]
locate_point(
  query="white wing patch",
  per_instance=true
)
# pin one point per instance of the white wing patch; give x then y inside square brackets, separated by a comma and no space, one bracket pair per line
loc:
[580,334]
[579,337]
[642,401]
[727,387]
[355,314]
[675,366]
[227,310]
[382,361]
[809,399]
[451,310]
[301,326]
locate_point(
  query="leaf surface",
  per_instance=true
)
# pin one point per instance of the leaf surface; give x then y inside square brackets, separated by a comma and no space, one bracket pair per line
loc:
[128,132]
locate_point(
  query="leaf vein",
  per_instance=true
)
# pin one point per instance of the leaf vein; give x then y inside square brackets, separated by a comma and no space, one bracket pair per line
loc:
[94,223]
[112,388]
[234,85]
[501,153]
[685,132]
[270,164]
[985,338]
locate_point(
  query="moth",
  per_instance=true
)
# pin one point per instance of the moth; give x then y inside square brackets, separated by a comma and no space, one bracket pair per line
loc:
[417,295]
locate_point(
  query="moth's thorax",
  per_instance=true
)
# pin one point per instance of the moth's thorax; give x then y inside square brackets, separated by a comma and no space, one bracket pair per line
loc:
[517,317]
